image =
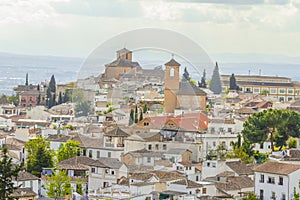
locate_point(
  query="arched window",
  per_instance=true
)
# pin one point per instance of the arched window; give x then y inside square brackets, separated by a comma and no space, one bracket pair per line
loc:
[172,72]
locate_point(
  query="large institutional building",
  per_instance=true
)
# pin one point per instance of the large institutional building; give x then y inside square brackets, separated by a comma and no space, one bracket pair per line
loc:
[284,89]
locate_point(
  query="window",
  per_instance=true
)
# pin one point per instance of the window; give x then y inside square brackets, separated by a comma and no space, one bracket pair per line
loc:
[273,90]
[221,130]
[208,164]
[90,153]
[148,159]
[156,147]
[281,99]
[203,190]
[98,154]
[283,197]
[256,90]
[212,130]
[149,147]
[281,91]
[261,194]
[172,72]
[262,178]
[280,180]
[93,170]
[229,130]
[146,123]
[271,180]
[290,91]
[164,147]
[290,98]
[273,195]
[214,143]
[106,171]
[112,172]
[84,152]
[31,184]
[109,154]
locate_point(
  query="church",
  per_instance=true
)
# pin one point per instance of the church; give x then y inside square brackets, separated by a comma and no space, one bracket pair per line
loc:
[181,95]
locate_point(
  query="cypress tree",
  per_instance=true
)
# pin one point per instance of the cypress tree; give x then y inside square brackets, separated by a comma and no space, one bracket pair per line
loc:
[39,99]
[26,81]
[186,75]
[203,80]
[131,117]
[232,83]
[60,98]
[215,84]
[141,116]
[136,119]
[52,84]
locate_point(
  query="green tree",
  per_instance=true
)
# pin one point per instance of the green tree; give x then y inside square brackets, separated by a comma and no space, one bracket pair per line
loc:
[250,196]
[292,143]
[145,108]
[203,80]
[141,116]
[4,99]
[83,108]
[232,83]
[272,124]
[68,150]
[68,95]
[39,155]
[131,117]
[186,74]
[38,101]
[58,185]
[296,195]
[26,81]
[8,172]
[14,99]
[60,98]
[136,119]
[52,84]
[215,84]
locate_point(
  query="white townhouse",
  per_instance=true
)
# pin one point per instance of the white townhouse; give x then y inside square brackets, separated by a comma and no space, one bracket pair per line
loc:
[275,180]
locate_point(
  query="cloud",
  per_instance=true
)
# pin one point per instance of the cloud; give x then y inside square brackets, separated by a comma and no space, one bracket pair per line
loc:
[27,11]
[96,8]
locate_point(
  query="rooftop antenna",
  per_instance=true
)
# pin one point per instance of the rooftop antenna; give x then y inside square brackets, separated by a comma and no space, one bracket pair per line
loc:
[249,72]
[172,55]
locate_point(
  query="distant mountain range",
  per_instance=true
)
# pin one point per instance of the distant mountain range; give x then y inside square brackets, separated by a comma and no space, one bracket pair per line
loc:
[40,68]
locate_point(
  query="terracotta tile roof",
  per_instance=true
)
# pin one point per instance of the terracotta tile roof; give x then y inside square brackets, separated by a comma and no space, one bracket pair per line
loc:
[245,111]
[225,174]
[239,167]
[58,138]
[142,176]
[189,88]
[236,183]
[80,162]
[188,183]
[139,168]
[165,163]
[145,153]
[276,168]
[113,163]
[91,142]
[177,151]
[26,176]
[168,175]
[172,62]
[116,132]
[23,192]
[186,163]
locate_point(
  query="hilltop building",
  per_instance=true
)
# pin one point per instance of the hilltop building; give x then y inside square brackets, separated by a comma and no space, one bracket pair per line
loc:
[182,95]
[281,88]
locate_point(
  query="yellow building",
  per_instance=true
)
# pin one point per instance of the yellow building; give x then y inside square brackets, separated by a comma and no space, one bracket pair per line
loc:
[122,65]
[182,95]
[283,88]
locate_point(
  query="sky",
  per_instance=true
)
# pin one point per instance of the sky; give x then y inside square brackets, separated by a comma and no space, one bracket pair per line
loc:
[76,27]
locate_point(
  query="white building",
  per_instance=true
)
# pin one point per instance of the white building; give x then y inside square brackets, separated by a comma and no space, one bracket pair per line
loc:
[275,180]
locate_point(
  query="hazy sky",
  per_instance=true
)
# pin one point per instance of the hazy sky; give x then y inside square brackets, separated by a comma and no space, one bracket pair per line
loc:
[76,27]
